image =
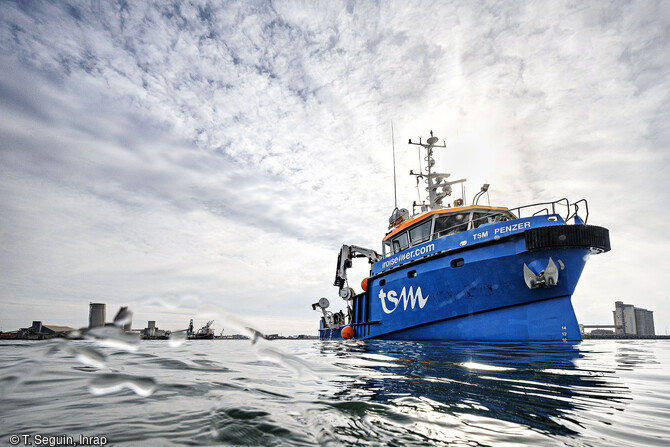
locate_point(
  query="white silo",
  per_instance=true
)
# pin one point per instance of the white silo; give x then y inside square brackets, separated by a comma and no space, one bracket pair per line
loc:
[96,315]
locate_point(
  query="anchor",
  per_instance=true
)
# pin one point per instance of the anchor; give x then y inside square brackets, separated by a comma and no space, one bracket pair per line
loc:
[546,278]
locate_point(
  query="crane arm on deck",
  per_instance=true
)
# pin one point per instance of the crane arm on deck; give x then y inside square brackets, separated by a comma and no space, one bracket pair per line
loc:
[347,253]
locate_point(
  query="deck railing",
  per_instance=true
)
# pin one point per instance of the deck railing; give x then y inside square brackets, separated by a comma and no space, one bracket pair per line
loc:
[561,207]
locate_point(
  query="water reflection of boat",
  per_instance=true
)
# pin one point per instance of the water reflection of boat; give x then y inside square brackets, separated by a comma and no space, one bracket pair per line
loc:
[204,333]
[457,272]
[523,389]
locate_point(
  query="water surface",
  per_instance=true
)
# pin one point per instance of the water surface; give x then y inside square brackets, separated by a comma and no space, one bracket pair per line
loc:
[306,392]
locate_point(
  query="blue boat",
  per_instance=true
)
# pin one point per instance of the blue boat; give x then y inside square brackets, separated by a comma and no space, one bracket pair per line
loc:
[457,272]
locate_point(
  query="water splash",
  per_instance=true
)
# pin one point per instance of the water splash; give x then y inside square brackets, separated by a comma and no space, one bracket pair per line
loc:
[261,346]
[300,367]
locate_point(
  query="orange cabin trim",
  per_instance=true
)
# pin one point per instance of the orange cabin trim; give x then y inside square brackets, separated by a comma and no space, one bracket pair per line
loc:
[420,217]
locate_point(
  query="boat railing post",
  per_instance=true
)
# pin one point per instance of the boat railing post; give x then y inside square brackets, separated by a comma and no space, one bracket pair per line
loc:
[586,208]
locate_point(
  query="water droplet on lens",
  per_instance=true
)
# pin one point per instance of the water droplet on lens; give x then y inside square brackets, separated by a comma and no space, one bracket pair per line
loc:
[123,316]
[88,356]
[113,383]
[177,339]
[113,337]
[174,303]
[74,334]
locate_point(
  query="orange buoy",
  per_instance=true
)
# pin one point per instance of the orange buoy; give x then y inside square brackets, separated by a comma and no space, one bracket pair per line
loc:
[347,332]
[364,284]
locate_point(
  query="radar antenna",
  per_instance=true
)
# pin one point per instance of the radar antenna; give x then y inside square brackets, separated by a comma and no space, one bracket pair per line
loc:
[434,180]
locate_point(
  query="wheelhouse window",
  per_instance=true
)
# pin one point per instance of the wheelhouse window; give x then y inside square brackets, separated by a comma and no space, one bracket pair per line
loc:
[443,225]
[481,218]
[485,217]
[420,233]
[451,223]
[400,242]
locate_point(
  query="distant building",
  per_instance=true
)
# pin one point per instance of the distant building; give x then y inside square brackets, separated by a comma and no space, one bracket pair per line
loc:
[602,332]
[631,320]
[233,337]
[644,321]
[38,328]
[151,331]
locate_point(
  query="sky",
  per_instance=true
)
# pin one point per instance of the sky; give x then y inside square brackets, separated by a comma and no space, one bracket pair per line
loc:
[192,158]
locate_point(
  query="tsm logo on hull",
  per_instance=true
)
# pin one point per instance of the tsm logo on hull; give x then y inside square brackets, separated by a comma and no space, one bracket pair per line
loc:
[406,296]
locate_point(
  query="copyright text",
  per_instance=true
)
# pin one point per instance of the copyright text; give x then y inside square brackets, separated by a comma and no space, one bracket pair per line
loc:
[57,440]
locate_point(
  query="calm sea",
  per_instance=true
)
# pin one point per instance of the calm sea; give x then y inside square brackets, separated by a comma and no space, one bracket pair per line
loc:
[220,392]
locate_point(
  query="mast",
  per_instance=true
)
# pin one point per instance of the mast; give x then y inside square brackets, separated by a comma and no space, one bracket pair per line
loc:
[435,180]
[395,188]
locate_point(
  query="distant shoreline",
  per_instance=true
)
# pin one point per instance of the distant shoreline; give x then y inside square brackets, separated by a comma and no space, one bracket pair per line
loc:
[624,337]
[39,337]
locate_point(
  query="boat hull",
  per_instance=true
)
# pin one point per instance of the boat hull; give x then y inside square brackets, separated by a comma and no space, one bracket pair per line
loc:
[201,337]
[552,319]
[473,294]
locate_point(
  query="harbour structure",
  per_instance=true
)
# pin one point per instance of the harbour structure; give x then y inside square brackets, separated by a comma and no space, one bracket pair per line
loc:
[232,337]
[96,315]
[467,272]
[204,333]
[631,320]
[38,331]
[598,329]
[152,332]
